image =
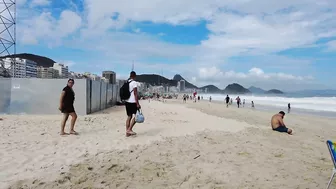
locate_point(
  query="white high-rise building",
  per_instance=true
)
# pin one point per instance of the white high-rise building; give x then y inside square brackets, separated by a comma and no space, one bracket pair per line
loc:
[93,77]
[22,68]
[111,76]
[62,69]
[182,86]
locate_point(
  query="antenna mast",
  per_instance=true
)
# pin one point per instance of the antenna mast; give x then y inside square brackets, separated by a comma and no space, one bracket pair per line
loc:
[7,36]
[133,66]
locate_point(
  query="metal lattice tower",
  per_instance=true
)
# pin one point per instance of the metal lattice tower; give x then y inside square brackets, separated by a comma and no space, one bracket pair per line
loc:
[7,34]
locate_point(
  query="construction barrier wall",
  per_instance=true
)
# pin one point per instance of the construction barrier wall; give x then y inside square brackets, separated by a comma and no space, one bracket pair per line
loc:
[42,96]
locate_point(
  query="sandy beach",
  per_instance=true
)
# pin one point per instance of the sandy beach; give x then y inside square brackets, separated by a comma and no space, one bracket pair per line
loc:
[192,145]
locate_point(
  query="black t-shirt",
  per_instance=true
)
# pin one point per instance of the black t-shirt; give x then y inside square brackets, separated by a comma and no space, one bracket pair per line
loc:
[227,99]
[69,96]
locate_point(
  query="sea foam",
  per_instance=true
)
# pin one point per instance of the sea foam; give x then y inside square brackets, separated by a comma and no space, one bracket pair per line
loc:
[307,103]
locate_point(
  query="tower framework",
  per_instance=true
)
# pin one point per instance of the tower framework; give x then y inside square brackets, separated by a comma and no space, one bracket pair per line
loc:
[7,35]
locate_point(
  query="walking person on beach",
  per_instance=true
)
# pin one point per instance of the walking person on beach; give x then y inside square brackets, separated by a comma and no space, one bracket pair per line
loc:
[238,101]
[67,108]
[289,107]
[243,103]
[131,104]
[210,99]
[227,100]
[278,123]
[252,104]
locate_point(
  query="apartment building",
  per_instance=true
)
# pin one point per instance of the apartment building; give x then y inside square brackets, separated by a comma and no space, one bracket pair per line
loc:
[93,77]
[21,68]
[47,73]
[62,69]
[110,76]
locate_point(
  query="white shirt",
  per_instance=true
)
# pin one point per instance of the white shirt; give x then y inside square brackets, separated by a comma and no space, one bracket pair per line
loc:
[132,85]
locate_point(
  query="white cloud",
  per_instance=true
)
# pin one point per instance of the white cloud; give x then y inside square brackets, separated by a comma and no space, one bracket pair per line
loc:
[68,63]
[255,76]
[47,29]
[331,45]
[242,27]
[35,3]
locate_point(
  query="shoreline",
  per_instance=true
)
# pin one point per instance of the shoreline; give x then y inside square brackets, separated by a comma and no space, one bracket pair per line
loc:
[266,108]
[180,145]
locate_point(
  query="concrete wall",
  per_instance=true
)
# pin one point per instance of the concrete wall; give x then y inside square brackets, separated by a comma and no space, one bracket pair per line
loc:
[115,94]
[95,96]
[103,93]
[88,96]
[41,96]
[109,95]
[5,94]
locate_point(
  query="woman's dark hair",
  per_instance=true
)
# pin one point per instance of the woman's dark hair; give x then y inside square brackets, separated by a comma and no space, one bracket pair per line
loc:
[282,112]
[71,80]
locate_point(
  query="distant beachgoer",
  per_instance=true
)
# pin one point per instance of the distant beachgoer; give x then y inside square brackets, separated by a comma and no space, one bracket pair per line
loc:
[184,98]
[210,99]
[278,124]
[231,101]
[227,99]
[201,97]
[132,105]
[289,107]
[198,98]
[238,101]
[244,103]
[1,119]
[67,107]
[252,104]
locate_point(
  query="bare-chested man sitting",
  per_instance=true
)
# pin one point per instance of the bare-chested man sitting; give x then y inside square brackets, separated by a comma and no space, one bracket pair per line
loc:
[278,124]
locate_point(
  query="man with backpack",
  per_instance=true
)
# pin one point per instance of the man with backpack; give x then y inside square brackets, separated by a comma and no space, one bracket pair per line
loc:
[129,94]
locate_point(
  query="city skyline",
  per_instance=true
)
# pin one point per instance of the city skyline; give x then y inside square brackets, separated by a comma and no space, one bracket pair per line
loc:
[287,45]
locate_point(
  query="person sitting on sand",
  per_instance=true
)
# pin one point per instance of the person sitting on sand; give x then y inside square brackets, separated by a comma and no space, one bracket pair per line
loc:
[1,119]
[132,105]
[278,124]
[67,108]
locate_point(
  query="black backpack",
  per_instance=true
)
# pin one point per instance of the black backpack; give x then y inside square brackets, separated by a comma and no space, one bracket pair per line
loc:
[124,92]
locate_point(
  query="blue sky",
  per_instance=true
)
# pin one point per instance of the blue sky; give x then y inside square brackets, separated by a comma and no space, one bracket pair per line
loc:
[286,45]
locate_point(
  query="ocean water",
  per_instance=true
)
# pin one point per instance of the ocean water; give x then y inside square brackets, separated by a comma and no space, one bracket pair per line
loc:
[324,106]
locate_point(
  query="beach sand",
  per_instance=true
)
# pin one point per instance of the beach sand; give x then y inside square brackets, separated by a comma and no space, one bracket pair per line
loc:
[192,145]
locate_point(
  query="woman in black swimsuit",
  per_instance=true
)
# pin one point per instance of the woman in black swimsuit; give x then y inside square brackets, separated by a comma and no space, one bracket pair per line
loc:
[66,107]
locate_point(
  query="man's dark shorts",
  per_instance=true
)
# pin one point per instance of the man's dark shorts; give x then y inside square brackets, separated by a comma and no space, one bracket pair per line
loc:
[131,108]
[281,129]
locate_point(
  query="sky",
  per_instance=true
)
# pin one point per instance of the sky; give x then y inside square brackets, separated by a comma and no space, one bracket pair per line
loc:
[287,45]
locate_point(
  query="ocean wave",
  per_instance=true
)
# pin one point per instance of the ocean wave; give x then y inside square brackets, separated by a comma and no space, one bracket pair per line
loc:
[308,103]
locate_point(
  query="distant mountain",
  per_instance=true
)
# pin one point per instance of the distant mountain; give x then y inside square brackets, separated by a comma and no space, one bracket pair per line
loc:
[188,85]
[40,60]
[256,90]
[274,91]
[154,79]
[236,89]
[178,77]
[211,89]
